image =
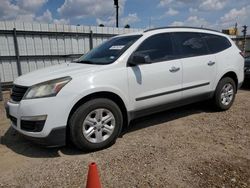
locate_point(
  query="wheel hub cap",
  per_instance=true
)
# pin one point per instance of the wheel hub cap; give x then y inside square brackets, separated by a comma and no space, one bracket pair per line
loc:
[227,94]
[98,125]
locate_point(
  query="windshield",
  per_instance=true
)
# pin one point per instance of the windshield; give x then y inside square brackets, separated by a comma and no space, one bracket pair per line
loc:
[247,58]
[109,51]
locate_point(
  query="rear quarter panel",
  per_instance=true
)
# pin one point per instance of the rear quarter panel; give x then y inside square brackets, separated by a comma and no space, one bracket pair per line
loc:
[230,60]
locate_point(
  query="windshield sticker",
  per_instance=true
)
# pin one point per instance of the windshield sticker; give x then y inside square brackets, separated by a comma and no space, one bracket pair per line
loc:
[118,47]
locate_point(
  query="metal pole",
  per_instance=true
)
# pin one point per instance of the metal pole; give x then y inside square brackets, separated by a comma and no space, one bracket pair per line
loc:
[244,44]
[244,35]
[117,15]
[236,29]
[1,91]
[91,40]
[19,71]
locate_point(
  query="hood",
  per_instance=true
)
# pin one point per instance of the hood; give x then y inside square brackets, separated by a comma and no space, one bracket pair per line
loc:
[56,71]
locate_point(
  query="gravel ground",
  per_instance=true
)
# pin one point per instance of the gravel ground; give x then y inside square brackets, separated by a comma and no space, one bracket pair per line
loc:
[191,146]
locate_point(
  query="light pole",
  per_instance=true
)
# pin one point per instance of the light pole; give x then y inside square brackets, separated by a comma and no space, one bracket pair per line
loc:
[117,12]
[244,31]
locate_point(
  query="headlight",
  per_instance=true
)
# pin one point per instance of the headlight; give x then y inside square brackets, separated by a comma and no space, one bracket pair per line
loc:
[46,89]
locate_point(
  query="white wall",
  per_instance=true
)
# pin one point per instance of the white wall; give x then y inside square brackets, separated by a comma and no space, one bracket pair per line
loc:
[46,45]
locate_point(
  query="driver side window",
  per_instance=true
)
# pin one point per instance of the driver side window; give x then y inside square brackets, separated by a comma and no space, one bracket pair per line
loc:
[158,48]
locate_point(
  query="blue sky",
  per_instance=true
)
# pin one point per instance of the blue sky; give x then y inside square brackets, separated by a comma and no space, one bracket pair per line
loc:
[216,14]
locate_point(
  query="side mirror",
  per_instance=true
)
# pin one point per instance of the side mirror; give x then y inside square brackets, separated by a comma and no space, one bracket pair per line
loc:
[137,59]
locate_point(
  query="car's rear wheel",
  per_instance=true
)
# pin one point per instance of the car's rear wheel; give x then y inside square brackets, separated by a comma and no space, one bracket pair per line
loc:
[96,124]
[225,93]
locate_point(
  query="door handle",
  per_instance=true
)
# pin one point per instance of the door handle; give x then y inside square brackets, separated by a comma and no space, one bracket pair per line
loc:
[210,63]
[174,69]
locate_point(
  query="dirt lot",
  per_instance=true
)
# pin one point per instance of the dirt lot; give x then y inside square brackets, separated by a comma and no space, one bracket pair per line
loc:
[190,146]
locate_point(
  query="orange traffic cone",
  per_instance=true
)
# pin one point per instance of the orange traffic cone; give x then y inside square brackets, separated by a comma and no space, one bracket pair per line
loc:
[93,180]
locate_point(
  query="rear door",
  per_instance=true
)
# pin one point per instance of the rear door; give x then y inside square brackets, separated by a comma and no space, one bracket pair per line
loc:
[199,67]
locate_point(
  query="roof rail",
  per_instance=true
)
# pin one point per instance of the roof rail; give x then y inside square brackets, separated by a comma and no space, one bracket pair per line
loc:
[184,27]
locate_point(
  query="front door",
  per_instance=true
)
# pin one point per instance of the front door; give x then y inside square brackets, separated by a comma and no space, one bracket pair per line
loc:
[159,82]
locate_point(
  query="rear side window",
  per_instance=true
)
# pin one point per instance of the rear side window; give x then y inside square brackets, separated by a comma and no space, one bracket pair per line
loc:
[158,47]
[190,44]
[216,43]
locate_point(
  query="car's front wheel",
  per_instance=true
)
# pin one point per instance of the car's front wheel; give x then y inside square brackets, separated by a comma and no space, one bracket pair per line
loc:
[225,93]
[96,124]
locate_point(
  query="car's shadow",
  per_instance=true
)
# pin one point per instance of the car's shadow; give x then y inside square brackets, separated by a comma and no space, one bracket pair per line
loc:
[20,145]
[169,115]
[17,143]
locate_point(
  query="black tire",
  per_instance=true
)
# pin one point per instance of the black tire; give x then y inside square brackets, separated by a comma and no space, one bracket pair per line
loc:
[78,117]
[217,97]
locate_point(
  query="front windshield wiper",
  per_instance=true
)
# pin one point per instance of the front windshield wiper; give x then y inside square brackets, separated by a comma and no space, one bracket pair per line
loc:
[90,62]
[84,61]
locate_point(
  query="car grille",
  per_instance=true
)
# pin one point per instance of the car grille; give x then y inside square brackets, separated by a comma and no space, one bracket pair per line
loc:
[18,92]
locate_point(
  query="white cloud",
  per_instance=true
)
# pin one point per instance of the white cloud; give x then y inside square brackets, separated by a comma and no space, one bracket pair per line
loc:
[103,11]
[195,5]
[87,8]
[8,10]
[46,17]
[211,5]
[130,19]
[192,10]
[25,17]
[23,10]
[175,3]
[31,5]
[169,12]
[177,23]
[110,21]
[194,21]
[220,20]
[236,15]
[164,3]
[228,20]
[61,21]
[172,12]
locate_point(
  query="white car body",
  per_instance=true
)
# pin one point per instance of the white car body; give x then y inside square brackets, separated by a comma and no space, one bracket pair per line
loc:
[139,87]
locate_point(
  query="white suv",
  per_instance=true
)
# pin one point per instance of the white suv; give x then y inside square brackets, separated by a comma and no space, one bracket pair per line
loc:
[132,75]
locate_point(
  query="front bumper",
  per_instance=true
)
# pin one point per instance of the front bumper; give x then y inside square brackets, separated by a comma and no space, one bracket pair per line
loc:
[57,137]
[49,132]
